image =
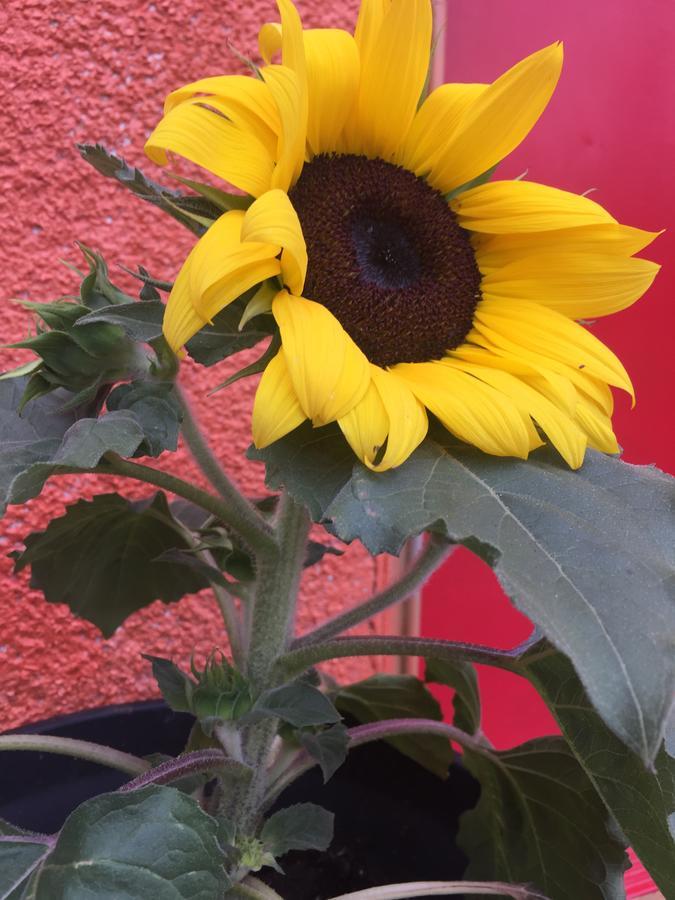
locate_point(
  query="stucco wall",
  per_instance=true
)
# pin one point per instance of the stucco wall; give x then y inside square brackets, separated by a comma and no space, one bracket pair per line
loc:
[99,70]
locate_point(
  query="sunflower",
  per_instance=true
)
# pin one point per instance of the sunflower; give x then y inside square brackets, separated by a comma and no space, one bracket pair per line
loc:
[402,280]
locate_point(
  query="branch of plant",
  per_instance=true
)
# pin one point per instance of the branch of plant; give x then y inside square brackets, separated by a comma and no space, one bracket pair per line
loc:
[207,461]
[435,888]
[260,539]
[299,659]
[433,555]
[189,764]
[374,731]
[97,753]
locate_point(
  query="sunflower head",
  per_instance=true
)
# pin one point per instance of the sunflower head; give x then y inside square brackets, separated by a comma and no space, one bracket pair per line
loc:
[402,281]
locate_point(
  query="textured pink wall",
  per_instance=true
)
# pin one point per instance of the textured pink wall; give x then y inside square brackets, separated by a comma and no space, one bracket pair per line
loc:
[91,71]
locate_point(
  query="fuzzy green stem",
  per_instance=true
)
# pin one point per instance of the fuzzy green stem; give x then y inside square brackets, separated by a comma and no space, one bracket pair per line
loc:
[277,583]
[258,538]
[203,455]
[427,562]
[97,753]
[298,660]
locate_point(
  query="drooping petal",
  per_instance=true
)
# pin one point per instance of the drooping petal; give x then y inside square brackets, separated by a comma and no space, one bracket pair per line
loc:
[272,219]
[224,147]
[243,99]
[218,270]
[394,64]
[520,325]
[510,207]
[329,372]
[434,125]
[558,387]
[276,410]
[470,409]
[291,101]
[498,120]
[597,425]
[494,251]
[562,431]
[579,285]
[510,359]
[388,411]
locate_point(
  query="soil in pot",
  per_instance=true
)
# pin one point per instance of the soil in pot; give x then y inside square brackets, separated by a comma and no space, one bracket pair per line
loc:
[394,821]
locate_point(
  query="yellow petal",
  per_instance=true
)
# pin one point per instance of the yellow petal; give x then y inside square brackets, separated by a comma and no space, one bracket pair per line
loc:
[276,410]
[269,41]
[226,148]
[508,207]
[394,64]
[519,360]
[553,384]
[245,100]
[291,101]
[563,433]
[332,81]
[494,251]
[473,411]
[368,23]
[522,325]
[332,66]
[388,411]
[434,125]
[271,219]
[218,270]
[499,119]
[579,285]
[597,425]
[329,372]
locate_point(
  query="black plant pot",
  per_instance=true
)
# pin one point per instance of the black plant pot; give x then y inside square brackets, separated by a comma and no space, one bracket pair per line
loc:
[394,821]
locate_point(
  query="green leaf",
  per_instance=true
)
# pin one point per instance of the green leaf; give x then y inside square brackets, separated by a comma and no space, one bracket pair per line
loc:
[539,820]
[20,855]
[328,747]
[175,685]
[47,438]
[152,843]
[299,704]
[223,338]
[588,555]
[140,321]
[399,697]
[100,559]
[464,681]
[178,205]
[642,801]
[156,408]
[304,826]
[221,199]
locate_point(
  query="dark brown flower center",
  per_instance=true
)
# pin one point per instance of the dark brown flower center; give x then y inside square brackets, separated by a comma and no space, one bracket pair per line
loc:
[386,257]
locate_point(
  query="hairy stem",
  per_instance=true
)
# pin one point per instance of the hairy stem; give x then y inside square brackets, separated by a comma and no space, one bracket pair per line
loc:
[436,888]
[246,513]
[375,731]
[273,614]
[297,660]
[427,562]
[97,753]
[254,889]
[189,764]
